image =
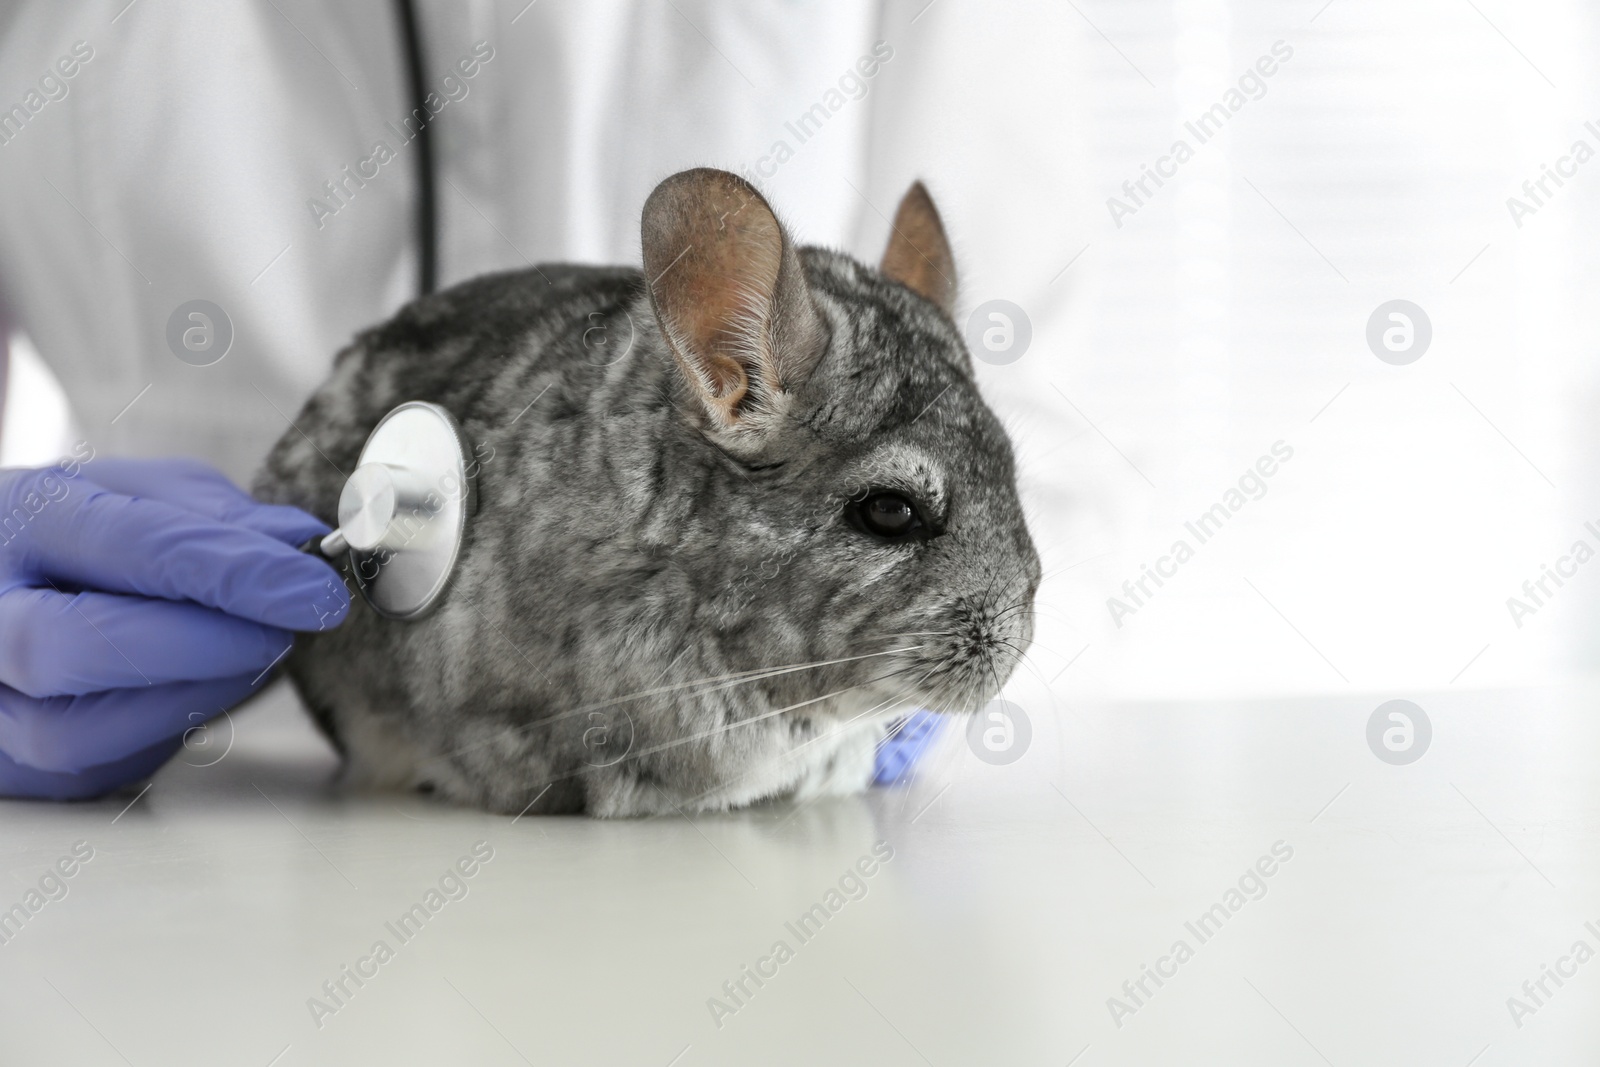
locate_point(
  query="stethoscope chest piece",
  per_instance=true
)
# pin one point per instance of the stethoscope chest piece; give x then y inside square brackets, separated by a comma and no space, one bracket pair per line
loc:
[403,513]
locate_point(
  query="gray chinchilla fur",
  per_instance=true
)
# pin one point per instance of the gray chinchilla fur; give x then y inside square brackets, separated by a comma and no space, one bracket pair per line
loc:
[735,513]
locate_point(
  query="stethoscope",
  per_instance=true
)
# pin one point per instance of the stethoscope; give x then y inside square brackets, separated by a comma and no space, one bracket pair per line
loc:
[403,512]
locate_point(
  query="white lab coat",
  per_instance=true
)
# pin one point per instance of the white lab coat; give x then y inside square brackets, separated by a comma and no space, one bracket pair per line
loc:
[188,157]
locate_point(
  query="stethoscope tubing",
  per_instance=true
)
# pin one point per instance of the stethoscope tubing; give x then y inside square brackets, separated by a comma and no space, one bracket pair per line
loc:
[427,216]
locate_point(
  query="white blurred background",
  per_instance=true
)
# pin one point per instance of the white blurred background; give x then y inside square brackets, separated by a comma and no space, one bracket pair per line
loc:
[1228,313]
[1231,313]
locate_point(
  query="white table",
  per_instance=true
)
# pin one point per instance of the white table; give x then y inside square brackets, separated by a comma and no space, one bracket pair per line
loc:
[1018,900]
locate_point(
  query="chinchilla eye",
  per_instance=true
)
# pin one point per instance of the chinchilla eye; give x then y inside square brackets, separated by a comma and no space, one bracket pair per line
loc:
[887,515]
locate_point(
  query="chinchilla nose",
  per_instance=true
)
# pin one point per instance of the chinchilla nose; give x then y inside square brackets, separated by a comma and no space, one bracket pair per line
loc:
[998,626]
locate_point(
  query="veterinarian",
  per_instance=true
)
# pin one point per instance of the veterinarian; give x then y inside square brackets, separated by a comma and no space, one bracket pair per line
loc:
[204,201]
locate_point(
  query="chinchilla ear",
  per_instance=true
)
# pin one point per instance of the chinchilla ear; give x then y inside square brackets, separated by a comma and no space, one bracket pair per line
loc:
[728,290]
[918,255]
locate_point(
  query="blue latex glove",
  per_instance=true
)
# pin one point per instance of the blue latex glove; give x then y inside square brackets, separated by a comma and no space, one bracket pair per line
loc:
[138,599]
[908,739]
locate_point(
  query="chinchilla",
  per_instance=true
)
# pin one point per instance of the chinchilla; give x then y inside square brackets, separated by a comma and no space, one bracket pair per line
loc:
[734,514]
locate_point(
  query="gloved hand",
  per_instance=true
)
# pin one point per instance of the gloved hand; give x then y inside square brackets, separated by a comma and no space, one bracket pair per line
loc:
[908,739]
[139,598]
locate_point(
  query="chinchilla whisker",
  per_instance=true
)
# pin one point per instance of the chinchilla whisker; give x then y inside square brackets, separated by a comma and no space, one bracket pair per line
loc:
[933,765]
[1021,611]
[711,685]
[975,686]
[752,720]
[1037,673]
[1026,606]
[994,675]
[712,733]
[1024,609]
[1052,572]
[724,681]
[742,722]
[1026,660]
[1021,607]
[899,726]
[1024,653]
[904,694]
